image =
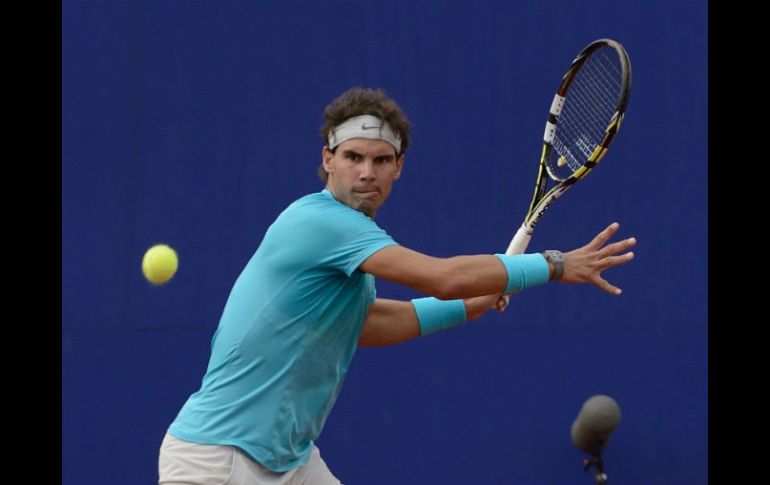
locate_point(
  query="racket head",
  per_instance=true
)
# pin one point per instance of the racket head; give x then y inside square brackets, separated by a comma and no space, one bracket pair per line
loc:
[587,110]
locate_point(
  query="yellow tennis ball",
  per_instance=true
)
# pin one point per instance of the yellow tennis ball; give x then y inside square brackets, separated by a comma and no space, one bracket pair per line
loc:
[159,264]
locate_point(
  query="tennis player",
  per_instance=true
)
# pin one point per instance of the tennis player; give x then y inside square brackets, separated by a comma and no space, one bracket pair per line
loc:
[277,365]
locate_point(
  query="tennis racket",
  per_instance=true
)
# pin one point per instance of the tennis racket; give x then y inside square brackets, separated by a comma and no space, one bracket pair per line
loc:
[584,118]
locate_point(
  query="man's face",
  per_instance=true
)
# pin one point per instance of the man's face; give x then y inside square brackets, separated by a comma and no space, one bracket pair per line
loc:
[361,173]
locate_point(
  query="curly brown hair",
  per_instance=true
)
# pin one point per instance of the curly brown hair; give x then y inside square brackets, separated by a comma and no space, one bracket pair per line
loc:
[364,101]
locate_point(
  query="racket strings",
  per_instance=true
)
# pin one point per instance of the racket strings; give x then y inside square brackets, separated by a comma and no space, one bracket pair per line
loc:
[590,105]
[588,109]
[598,93]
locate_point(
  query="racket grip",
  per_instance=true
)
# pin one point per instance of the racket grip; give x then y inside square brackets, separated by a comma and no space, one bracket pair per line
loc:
[520,241]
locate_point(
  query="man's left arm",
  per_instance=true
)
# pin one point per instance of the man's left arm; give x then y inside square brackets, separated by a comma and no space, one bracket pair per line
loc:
[391,322]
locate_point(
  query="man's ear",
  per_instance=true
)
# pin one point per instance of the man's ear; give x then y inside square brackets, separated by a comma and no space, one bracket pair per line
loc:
[326,157]
[399,166]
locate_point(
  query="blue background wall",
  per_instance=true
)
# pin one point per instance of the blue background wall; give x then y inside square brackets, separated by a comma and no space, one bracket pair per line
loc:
[195,123]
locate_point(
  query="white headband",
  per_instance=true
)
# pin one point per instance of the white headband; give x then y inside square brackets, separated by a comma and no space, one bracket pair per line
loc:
[364,126]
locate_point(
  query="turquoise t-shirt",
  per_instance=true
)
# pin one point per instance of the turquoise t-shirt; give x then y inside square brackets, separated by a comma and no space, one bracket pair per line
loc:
[287,334]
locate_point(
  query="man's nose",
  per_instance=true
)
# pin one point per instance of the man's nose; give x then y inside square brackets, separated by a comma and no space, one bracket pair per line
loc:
[366,170]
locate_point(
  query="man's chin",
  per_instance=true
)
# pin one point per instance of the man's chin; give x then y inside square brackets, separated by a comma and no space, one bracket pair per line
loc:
[367,208]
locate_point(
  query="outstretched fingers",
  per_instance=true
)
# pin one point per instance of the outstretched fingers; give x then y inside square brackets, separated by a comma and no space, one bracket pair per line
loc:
[604,236]
[612,261]
[608,287]
[617,247]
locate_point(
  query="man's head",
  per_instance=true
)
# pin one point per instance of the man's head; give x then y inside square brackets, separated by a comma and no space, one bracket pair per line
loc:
[365,135]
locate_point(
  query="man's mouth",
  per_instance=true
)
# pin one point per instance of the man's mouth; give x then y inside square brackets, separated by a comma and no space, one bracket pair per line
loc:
[368,191]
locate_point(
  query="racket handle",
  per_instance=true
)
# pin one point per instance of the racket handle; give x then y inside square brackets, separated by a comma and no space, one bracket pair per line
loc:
[520,241]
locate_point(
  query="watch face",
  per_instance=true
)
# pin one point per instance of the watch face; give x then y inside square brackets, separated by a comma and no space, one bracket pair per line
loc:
[557,258]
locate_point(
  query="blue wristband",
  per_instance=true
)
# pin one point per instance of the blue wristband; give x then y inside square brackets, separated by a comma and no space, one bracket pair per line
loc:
[434,314]
[524,271]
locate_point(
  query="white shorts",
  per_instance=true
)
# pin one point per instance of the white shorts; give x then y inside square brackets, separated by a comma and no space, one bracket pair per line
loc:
[182,462]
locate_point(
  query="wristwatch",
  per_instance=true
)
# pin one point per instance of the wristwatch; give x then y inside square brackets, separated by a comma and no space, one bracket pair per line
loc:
[557,259]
